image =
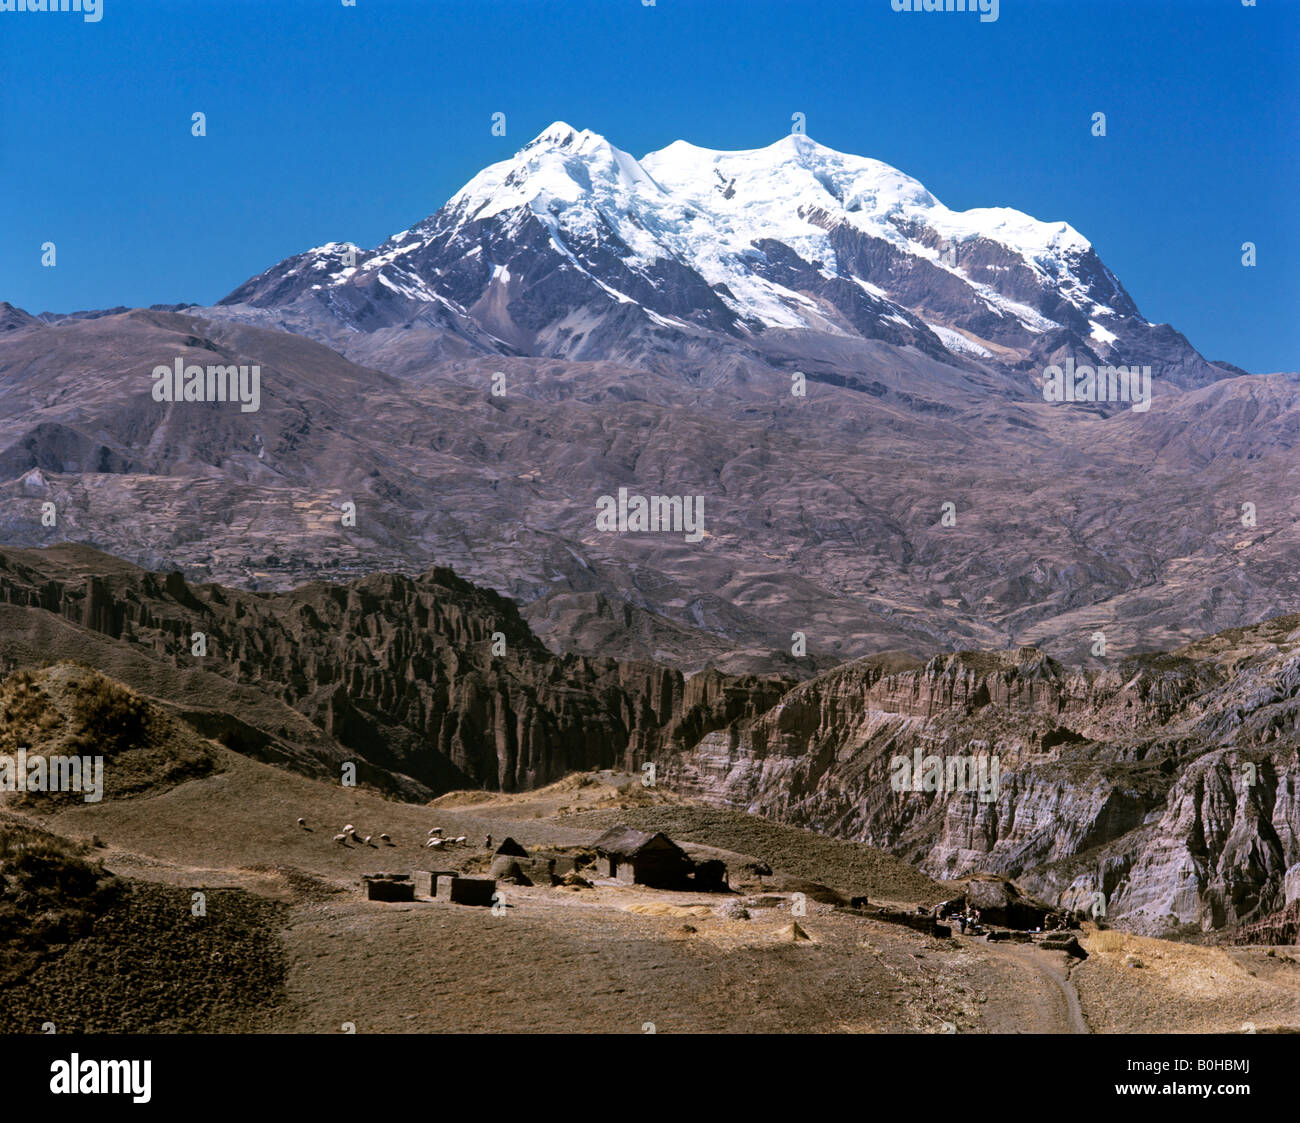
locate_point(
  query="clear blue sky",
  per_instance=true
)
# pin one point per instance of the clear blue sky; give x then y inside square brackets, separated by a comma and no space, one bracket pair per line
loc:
[333,123]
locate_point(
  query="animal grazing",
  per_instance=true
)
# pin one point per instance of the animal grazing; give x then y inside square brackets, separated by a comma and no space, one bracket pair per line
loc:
[302,822]
[349,829]
[341,839]
[435,830]
[384,838]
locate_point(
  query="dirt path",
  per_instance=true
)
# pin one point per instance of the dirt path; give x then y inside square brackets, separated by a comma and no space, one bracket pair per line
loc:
[1053,1002]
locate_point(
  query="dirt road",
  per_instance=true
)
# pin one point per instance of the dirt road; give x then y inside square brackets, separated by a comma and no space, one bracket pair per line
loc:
[1038,996]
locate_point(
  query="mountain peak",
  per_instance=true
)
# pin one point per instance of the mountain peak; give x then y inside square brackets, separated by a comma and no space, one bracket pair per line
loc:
[560,134]
[800,142]
[558,169]
[556,130]
[791,236]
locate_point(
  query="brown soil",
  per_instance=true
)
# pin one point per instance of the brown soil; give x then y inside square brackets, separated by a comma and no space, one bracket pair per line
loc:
[611,958]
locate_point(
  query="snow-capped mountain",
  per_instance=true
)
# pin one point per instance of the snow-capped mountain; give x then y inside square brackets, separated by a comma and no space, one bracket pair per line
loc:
[573,248]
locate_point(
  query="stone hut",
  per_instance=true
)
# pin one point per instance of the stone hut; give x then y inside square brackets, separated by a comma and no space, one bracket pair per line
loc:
[469,890]
[640,858]
[426,881]
[524,871]
[388,887]
[511,848]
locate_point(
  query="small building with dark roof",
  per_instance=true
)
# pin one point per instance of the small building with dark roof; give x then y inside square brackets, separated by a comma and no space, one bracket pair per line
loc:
[511,847]
[641,858]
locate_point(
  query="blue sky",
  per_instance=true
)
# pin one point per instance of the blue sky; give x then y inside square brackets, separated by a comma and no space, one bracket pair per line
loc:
[328,122]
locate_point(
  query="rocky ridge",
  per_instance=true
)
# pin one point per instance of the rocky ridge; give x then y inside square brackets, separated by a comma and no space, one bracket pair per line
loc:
[1162,788]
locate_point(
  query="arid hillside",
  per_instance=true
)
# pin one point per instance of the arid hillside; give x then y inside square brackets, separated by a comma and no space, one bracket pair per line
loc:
[1159,789]
[289,944]
[825,514]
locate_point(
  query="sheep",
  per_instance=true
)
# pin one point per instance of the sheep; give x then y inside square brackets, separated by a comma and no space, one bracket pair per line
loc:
[366,841]
[349,829]
[385,838]
[434,844]
[435,830]
[460,841]
[341,839]
[302,823]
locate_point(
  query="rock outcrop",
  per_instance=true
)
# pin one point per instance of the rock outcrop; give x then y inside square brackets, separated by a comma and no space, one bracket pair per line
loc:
[428,679]
[1281,928]
[1162,792]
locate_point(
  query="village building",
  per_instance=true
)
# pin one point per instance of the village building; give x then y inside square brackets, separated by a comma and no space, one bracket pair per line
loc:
[510,847]
[640,858]
[426,881]
[465,890]
[512,863]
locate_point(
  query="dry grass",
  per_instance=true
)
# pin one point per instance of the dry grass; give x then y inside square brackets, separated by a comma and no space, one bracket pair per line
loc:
[1107,942]
[70,709]
[660,909]
[608,965]
[49,897]
[1137,983]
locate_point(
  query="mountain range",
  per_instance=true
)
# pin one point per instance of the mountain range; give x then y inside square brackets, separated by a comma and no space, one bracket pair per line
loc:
[574,249]
[847,372]
[395,559]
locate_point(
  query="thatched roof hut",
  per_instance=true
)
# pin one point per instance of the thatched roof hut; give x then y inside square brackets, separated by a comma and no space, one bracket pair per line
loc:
[512,848]
[641,858]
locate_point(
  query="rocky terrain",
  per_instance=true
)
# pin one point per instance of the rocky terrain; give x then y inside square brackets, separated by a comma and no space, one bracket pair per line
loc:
[1282,927]
[426,684]
[907,555]
[1162,786]
[1065,522]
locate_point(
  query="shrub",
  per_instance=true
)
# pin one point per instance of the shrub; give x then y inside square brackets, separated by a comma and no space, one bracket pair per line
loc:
[108,715]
